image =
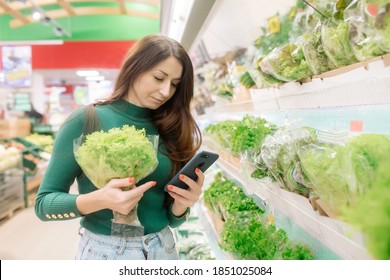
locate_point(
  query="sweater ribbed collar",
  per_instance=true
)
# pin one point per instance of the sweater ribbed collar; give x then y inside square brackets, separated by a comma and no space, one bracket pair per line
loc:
[131,110]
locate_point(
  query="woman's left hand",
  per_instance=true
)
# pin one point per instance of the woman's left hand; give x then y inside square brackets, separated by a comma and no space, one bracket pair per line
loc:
[186,198]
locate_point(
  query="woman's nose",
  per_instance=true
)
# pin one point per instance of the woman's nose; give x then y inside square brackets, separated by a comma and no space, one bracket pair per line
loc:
[165,88]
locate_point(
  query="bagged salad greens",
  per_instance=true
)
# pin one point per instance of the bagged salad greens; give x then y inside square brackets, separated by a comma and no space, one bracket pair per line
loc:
[377,14]
[286,63]
[262,79]
[336,43]
[314,52]
[279,154]
[118,153]
[365,41]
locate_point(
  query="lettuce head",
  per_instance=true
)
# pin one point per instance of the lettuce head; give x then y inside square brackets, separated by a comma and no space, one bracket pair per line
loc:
[118,153]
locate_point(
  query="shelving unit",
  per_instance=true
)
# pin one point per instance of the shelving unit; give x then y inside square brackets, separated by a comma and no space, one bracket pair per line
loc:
[11,191]
[352,99]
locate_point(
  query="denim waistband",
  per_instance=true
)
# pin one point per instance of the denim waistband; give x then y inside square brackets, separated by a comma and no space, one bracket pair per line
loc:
[130,241]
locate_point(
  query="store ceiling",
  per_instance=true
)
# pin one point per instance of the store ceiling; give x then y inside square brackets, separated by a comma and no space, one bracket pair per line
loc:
[223,25]
[78,20]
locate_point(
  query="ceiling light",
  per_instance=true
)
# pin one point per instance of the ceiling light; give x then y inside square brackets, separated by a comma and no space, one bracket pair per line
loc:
[87,73]
[95,78]
[36,15]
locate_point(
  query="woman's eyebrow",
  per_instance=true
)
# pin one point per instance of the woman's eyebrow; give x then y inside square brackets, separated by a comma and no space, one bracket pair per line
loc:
[166,74]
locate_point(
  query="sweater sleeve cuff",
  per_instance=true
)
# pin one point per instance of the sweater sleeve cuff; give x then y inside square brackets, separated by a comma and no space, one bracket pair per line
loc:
[175,221]
[64,208]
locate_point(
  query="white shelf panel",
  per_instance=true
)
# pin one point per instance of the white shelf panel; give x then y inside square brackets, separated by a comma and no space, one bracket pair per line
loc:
[211,232]
[366,84]
[336,235]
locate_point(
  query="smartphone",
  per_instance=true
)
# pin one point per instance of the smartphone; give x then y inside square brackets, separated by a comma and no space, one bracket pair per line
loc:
[202,160]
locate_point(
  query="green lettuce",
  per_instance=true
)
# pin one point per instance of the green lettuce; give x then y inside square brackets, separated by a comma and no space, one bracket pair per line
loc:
[314,53]
[371,213]
[118,153]
[336,43]
[287,63]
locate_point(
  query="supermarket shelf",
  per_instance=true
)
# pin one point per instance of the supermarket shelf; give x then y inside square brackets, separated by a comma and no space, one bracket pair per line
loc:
[339,237]
[360,84]
[212,229]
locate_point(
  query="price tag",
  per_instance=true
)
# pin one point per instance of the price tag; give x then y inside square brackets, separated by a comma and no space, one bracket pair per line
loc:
[356,126]
[372,10]
[274,24]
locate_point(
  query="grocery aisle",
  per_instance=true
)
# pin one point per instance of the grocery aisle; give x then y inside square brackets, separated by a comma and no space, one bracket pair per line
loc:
[25,237]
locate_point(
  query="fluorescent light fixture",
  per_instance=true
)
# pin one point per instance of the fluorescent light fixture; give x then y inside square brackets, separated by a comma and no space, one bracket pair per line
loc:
[180,12]
[95,78]
[87,73]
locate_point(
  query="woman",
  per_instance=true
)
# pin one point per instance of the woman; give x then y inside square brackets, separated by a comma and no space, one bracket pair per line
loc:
[153,91]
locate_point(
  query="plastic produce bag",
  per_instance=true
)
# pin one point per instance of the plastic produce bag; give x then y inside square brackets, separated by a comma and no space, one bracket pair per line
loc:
[287,63]
[336,43]
[322,167]
[119,153]
[364,39]
[279,154]
[377,16]
[314,52]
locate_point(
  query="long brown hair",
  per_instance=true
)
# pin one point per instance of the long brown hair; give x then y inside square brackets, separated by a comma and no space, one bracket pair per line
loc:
[173,119]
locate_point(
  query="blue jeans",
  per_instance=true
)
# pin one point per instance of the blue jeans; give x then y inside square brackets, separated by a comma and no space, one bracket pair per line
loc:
[153,246]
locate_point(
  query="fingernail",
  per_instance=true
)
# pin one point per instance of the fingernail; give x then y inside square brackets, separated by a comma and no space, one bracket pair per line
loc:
[197,170]
[154,183]
[170,187]
[131,180]
[181,176]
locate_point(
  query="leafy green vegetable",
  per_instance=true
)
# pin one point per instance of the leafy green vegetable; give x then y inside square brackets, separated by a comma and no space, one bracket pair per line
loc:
[246,80]
[246,232]
[240,135]
[336,43]
[364,40]
[321,167]
[371,213]
[249,133]
[269,41]
[118,153]
[314,53]
[279,153]
[359,160]
[286,63]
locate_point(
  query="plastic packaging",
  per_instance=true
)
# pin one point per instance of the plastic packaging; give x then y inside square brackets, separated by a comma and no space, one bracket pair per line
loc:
[138,159]
[364,39]
[287,63]
[314,52]
[377,16]
[279,154]
[336,43]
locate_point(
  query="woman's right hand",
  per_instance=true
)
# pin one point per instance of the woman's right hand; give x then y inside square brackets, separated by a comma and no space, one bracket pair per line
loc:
[123,201]
[113,197]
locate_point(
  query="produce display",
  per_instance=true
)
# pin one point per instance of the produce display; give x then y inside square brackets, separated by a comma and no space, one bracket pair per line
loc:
[44,141]
[9,157]
[247,233]
[240,135]
[192,243]
[313,39]
[347,175]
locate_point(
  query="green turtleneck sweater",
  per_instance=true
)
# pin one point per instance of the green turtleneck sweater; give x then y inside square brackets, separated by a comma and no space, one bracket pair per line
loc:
[53,199]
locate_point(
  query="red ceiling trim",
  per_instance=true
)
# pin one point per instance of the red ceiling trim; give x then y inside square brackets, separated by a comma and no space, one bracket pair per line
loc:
[74,55]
